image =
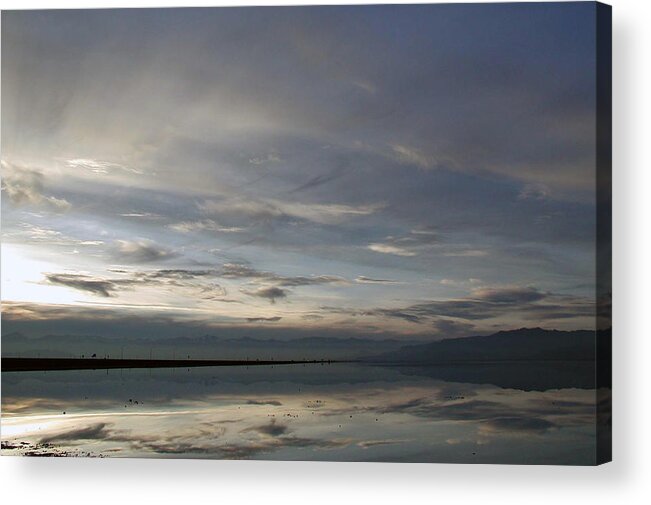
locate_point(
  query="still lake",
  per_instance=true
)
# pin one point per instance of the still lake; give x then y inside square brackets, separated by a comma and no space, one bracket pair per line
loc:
[526,413]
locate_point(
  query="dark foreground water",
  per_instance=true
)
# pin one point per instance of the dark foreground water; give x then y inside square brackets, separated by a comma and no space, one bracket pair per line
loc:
[528,413]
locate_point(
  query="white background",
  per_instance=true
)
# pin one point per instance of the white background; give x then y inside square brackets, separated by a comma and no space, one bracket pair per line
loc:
[626,480]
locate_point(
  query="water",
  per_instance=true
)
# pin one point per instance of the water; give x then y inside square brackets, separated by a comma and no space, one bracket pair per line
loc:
[491,413]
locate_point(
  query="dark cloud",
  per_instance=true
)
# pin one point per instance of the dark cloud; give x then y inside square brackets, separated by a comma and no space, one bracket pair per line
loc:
[263,319]
[275,403]
[182,279]
[96,431]
[451,328]
[176,274]
[271,429]
[116,323]
[362,279]
[521,424]
[236,271]
[99,287]
[508,295]
[271,293]
[325,178]
[483,303]
[365,444]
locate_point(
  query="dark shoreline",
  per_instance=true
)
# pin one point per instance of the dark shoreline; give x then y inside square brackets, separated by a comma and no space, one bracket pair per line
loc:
[44,364]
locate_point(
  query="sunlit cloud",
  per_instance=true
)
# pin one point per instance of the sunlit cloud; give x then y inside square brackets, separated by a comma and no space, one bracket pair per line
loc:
[99,167]
[142,251]
[390,249]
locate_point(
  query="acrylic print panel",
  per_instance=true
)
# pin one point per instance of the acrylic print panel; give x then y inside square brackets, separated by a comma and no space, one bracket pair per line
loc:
[349,233]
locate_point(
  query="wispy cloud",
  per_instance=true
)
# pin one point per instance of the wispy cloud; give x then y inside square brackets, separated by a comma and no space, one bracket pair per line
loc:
[98,166]
[265,210]
[238,271]
[268,158]
[534,192]
[412,156]
[204,225]
[29,233]
[25,186]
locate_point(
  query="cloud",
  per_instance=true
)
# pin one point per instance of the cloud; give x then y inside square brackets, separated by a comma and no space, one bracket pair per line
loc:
[362,279]
[238,271]
[142,251]
[142,215]
[508,294]
[365,444]
[534,192]
[466,253]
[390,249]
[97,431]
[265,210]
[29,233]
[411,244]
[99,287]
[412,156]
[204,225]
[493,416]
[451,328]
[25,187]
[271,293]
[195,282]
[272,429]
[203,439]
[520,424]
[342,168]
[483,303]
[98,166]
[263,319]
[173,274]
[183,280]
[275,403]
[365,168]
[262,160]
[463,282]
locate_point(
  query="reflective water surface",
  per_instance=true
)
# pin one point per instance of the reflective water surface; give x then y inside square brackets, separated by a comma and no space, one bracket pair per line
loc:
[493,413]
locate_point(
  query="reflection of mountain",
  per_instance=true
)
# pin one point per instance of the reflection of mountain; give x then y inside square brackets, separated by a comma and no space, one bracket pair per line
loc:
[526,344]
[523,375]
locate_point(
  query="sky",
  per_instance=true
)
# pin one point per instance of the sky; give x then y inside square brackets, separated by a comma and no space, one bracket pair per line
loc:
[419,172]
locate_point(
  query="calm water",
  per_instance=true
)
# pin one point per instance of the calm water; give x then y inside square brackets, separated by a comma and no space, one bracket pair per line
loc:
[526,413]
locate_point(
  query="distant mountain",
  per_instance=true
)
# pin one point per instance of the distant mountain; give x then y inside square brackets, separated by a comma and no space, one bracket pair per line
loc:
[207,346]
[514,345]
